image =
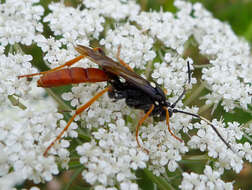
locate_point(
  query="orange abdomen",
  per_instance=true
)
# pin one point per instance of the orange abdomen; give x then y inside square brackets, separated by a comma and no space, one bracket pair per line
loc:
[72,75]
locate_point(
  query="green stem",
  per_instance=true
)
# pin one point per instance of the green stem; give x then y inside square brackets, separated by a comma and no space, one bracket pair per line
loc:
[160,54]
[15,102]
[195,94]
[249,111]
[83,135]
[61,103]
[143,4]
[161,183]
[204,108]
[17,48]
[148,69]
[202,66]
[247,137]
[247,124]
[194,157]
[74,176]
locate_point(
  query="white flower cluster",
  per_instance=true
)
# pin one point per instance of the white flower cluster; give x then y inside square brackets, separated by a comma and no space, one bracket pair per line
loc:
[25,136]
[19,21]
[172,30]
[10,67]
[113,159]
[207,139]
[164,149]
[55,54]
[246,151]
[113,9]
[248,129]
[230,76]
[172,73]
[74,25]
[136,48]
[209,180]
[7,182]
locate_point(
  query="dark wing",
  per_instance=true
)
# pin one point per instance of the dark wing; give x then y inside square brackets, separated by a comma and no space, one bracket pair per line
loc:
[116,68]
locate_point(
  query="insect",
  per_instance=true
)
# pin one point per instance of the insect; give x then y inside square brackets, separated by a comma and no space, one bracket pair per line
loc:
[138,92]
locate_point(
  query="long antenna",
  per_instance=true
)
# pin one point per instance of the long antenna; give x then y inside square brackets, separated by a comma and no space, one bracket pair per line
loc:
[184,91]
[195,115]
[208,122]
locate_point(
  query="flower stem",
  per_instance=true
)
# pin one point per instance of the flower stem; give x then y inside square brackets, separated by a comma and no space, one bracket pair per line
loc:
[195,94]
[15,102]
[162,184]
[247,137]
[204,108]
[202,66]
[61,103]
[74,176]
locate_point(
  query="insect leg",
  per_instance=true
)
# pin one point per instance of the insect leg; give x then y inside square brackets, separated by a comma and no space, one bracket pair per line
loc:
[168,124]
[77,112]
[141,122]
[121,61]
[68,63]
[189,72]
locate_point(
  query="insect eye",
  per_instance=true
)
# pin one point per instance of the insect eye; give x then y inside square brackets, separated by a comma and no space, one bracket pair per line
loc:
[168,104]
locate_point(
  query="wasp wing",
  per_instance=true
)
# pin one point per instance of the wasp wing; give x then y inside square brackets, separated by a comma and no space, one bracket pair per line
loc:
[109,65]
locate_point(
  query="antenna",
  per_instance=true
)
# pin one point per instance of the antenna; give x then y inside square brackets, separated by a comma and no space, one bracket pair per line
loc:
[184,91]
[173,110]
[208,122]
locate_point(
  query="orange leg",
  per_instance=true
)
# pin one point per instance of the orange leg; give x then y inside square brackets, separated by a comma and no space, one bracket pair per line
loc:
[68,63]
[77,112]
[165,91]
[141,122]
[168,124]
[121,61]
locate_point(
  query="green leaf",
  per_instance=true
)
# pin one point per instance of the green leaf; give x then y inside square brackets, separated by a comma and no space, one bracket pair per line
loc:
[161,183]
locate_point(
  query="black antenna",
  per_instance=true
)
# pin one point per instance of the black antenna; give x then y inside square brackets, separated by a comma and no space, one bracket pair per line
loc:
[208,122]
[195,115]
[184,91]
